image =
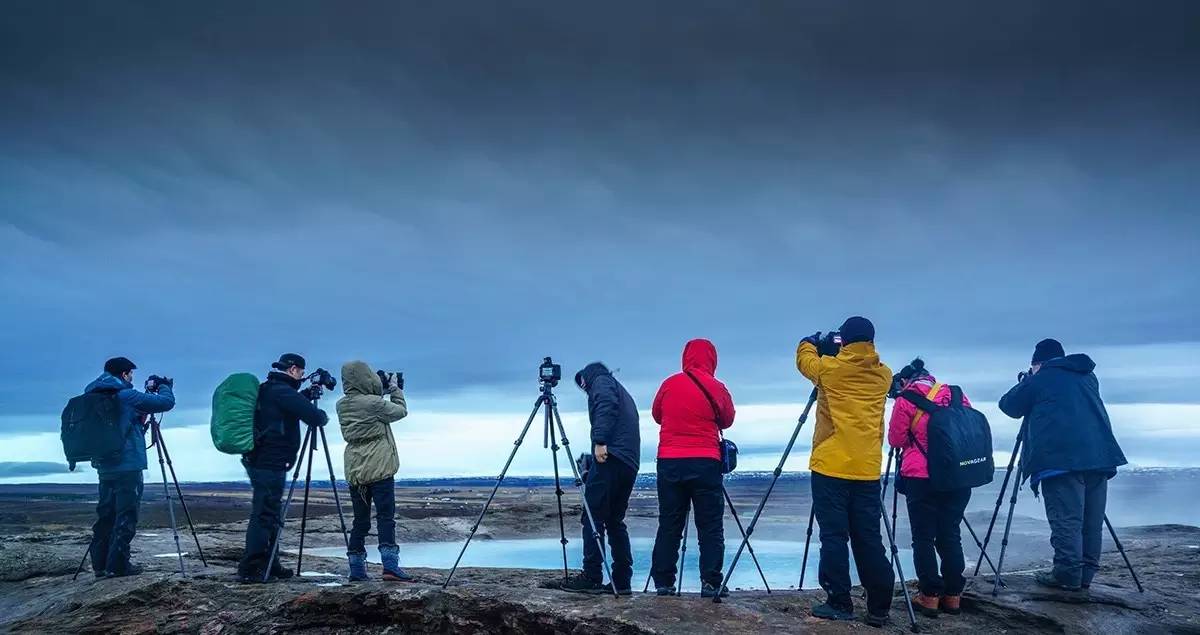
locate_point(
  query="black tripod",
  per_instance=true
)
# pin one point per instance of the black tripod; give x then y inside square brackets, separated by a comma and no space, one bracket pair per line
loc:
[552,420]
[164,463]
[307,446]
[1012,505]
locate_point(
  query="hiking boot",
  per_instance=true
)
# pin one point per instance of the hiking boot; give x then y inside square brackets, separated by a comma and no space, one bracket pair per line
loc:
[664,591]
[399,575]
[358,567]
[878,621]
[130,569]
[390,556]
[926,605]
[580,583]
[708,591]
[827,612]
[951,604]
[1048,579]
[280,573]
[100,574]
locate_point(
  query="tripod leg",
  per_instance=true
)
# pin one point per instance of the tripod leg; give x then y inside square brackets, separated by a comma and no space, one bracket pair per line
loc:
[312,451]
[812,398]
[157,438]
[1012,505]
[987,537]
[558,491]
[975,537]
[287,503]
[337,502]
[682,557]
[179,493]
[749,547]
[912,617]
[1121,548]
[812,514]
[499,480]
[92,542]
[562,431]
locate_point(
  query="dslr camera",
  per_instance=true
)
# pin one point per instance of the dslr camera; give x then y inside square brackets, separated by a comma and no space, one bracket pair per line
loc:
[383,379]
[549,372]
[831,344]
[153,382]
[321,380]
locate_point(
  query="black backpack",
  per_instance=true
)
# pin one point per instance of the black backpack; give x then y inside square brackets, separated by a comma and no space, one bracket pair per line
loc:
[960,443]
[92,428]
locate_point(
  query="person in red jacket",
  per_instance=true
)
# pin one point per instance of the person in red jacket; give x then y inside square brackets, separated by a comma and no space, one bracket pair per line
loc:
[690,408]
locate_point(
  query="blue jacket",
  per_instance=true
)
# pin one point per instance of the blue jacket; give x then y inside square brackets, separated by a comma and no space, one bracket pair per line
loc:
[135,405]
[1066,425]
[613,413]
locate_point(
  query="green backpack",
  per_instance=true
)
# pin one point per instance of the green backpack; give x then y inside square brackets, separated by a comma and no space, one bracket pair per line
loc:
[233,407]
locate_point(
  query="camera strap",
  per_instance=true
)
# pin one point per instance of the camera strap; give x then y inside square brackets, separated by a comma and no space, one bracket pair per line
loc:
[711,403]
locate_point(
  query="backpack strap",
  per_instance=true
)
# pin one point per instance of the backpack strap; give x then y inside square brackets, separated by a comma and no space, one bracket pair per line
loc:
[711,403]
[956,397]
[925,405]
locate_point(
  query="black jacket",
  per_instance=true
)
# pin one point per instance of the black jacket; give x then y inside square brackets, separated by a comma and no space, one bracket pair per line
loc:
[613,413]
[281,407]
[1066,425]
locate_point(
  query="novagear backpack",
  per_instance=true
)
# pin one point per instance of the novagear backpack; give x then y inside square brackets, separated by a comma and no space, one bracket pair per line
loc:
[233,406]
[92,428]
[960,442]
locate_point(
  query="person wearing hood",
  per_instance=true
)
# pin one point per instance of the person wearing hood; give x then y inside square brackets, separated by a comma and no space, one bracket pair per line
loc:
[691,407]
[121,476]
[1070,452]
[281,406]
[616,449]
[371,462]
[845,463]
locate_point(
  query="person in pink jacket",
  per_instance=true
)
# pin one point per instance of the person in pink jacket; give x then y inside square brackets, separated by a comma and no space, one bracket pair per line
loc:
[934,515]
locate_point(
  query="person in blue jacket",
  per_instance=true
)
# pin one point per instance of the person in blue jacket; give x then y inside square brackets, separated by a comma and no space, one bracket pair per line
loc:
[1069,451]
[121,475]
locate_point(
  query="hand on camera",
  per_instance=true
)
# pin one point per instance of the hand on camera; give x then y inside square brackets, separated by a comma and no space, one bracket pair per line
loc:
[814,339]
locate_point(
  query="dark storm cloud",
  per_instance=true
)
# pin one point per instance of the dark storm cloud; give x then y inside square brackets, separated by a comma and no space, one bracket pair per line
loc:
[458,189]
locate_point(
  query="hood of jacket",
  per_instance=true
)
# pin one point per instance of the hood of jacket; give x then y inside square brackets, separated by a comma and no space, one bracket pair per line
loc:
[359,379]
[1076,363]
[590,373]
[700,355]
[861,354]
[107,381]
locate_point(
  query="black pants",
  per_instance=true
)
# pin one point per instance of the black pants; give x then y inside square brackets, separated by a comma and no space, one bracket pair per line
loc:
[116,520]
[264,520]
[1075,508]
[609,486]
[935,518]
[683,483]
[849,511]
[383,495]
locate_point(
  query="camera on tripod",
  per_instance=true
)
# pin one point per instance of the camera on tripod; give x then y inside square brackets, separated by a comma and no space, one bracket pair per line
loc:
[831,344]
[549,372]
[153,383]
[322,380]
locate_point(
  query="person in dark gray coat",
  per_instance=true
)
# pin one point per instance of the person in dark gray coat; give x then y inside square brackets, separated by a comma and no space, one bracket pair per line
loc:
[1070,452]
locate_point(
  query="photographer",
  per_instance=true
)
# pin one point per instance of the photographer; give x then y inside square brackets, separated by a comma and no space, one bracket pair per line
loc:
[121,476]
[616,448]
[845,464]
[281,407]
[371,462]
[1070,452]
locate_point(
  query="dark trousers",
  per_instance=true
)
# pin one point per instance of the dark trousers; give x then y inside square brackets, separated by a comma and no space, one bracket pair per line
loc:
[116,521]
[609,486]
[264,520]
[683,483]
[1075,508]
[935,518]
[849,510]
[383,495]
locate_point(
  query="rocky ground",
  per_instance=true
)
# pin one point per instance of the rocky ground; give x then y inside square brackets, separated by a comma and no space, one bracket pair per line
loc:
[38,595]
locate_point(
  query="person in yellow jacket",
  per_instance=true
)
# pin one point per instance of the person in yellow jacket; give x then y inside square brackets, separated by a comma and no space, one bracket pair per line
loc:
[846,459]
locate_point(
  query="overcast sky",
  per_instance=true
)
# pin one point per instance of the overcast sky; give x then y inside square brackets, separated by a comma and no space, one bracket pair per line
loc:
[460,188]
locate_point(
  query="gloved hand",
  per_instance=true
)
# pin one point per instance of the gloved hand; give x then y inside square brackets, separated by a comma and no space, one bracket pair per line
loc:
[814,339]
[324,419]
[1022,376]
[400,380]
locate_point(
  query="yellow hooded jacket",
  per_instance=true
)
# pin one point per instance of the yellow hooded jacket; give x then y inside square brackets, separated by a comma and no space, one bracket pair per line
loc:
[848,437]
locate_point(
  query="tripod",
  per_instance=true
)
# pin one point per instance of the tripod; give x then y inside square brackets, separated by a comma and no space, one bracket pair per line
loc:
[164,463]
[307,446]
[1012,504]
[550,441]
[683,550]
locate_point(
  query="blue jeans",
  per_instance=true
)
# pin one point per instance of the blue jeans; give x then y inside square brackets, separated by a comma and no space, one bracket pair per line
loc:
[116,520]
[383,495]
[264,520]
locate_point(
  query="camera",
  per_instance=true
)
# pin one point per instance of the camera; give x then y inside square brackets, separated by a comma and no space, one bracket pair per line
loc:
[323,378]
[153,382]
[831,344]
[549,372]
[897,386]
[383,379]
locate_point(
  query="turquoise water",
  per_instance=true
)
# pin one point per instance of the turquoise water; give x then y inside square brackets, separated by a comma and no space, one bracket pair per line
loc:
[780,559]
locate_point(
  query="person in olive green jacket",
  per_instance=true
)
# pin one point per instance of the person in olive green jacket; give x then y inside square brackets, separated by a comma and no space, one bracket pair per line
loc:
[371,462]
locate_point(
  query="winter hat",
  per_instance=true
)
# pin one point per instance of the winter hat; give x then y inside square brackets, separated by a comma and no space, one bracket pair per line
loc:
[118,366]
[915,368]
[857,329]
[287,360]
[1046,350]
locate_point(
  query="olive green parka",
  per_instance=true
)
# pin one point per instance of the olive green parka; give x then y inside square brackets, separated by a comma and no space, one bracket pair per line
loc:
[365,418]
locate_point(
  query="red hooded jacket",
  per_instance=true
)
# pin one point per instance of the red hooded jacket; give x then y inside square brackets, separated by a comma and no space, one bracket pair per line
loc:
[688,425]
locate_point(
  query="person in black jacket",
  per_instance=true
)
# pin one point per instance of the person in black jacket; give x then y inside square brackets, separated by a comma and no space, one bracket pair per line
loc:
[616,447]
[281,408]
[1070,452]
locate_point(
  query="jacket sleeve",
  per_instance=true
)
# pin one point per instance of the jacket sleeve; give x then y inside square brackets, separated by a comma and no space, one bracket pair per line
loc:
[1018,401]
[656,408]
[902,414]
[151,403]
[604,406]
[808,362]
[293,403]
[395,407]
[725,404]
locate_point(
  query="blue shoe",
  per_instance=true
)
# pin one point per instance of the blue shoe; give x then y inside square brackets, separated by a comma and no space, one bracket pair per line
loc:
[358,567]
[390,556]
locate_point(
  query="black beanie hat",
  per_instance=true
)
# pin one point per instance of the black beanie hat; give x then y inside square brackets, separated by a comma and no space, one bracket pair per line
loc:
[1046,350]
[118,366]
[857,329]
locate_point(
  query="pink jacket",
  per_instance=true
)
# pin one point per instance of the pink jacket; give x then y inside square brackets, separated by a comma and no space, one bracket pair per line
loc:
[914,465]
